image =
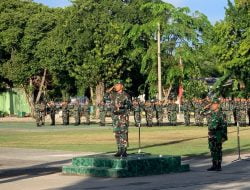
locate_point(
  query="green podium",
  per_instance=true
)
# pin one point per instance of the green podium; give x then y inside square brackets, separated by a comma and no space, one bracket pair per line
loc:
[131,166]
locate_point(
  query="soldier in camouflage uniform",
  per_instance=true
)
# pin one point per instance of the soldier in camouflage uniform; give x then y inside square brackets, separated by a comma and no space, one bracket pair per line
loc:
[39,114]
[226,109]
[77,112]
[235,105]
[136,107]
[217,134]
[65,113]
[85,109]
[102,110]
[105,107]
[52,112]
[121,104]
[198,108]
[172,109]
[159,112]
[149,111]
[243,112]
[186,108]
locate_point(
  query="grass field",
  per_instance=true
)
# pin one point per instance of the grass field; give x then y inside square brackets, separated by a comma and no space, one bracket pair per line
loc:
[179,140]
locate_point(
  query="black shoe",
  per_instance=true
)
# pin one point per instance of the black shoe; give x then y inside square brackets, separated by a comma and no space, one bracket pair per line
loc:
[218,168]
[52,124]
[102,124]
[124,152]
[213,167]
[118,153]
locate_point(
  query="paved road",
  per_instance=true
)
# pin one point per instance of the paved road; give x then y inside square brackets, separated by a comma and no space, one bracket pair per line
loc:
[31,169]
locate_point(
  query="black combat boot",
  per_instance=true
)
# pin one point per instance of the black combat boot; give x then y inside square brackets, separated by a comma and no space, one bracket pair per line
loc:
[218,168]
[118,153]
[213,167]
[124,152]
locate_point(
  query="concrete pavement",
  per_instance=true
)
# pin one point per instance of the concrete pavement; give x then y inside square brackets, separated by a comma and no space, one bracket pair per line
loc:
[32,169]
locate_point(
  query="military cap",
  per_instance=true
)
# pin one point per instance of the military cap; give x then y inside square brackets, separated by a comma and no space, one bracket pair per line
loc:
[215,100]
[118,82]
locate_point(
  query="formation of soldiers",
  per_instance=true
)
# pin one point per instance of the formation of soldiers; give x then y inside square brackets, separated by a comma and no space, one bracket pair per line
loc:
[69,109]
[237,110]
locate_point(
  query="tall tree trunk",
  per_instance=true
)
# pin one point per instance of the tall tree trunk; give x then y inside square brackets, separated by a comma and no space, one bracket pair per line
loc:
[29,94]
[41,86]
[99,91]
[167,91]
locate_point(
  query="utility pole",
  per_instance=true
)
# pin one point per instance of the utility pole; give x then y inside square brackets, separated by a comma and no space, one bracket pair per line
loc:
[159,62]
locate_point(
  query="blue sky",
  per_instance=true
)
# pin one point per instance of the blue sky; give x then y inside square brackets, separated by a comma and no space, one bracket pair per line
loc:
[214,9]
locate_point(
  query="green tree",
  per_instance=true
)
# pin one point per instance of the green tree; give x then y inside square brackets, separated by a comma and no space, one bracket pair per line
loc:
[231,48]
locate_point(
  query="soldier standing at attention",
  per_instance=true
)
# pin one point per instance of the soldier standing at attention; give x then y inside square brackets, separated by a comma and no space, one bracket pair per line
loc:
[43,112]
[186,108]
[137,111]
[217,134]
[65,113]
[86,111]
[38,115]
[159,112]
[102,115]
[172,112]
[149,111]
[243,112]
[77,112]
[52,112]
[121,104]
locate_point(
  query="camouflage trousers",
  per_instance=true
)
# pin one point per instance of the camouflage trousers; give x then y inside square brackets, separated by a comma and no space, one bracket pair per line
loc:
[215,149]
[137,117]
[77,117]
[40,118]
[149,119]
[228,116]
[120,129]
[102,117]
[53,118]
[86,114]
[65,117]
[241,118]
[172,118]
[198,119]
[159,117]
[187,118]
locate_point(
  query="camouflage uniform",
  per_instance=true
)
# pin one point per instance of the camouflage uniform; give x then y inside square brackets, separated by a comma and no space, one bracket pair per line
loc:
[186,108]
[105,108]
[65,113]
[40,114]
[159,112]
[198,108]
[120,119]
[102,115]
[226,109]
[242,112]
[52,112]
[149,111]
[235,106]
[77,113]
[172,109]
[136,107]
[217,134]
[85,109]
